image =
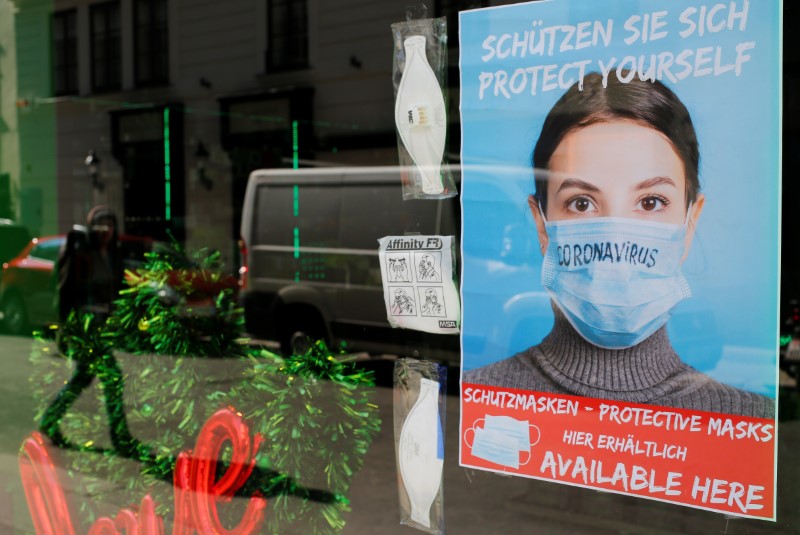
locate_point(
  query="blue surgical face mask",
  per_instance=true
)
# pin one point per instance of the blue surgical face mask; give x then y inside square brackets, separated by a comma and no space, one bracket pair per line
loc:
[615,279]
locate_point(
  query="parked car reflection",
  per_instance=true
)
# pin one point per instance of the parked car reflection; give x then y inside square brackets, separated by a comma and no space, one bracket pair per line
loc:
[27,285]
[13,238]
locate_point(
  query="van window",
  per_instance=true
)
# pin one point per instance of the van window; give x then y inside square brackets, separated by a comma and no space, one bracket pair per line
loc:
[374,210]
[274,217]
[307,212]
[317,215]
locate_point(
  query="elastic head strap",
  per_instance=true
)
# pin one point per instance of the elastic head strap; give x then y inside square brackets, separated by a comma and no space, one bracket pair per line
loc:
[541,211]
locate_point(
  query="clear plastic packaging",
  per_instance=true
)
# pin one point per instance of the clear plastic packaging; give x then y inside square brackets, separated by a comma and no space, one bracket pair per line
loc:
[419,420]
[419,75]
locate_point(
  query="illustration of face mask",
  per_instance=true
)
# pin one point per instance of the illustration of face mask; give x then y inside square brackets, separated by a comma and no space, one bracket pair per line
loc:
[519,430]
[502,439]
[496,447]
[421,452]
[615,279]
[420,114]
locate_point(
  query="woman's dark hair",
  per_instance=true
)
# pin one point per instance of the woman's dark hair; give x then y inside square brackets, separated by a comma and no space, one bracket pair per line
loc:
[650,104]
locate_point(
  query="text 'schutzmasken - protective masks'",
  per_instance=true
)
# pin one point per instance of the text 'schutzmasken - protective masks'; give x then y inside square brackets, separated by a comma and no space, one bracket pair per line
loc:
[420,115]
[615,279]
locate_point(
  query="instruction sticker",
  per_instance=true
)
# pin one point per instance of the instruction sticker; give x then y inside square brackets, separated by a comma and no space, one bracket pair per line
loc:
[418,283]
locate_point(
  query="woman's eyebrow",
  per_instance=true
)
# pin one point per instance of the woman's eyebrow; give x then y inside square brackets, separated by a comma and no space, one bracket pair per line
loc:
[577,183]
[656,181]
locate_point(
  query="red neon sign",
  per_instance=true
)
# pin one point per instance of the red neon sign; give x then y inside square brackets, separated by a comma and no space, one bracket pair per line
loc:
[197,493]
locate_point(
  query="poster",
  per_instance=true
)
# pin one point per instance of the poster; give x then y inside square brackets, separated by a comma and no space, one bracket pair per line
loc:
[621,235]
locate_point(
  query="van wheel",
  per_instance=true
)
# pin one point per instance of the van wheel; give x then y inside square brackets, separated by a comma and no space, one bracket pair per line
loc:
[299,333]
[15,318]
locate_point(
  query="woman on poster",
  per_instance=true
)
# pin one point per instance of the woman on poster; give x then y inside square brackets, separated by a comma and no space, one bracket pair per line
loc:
[616,206]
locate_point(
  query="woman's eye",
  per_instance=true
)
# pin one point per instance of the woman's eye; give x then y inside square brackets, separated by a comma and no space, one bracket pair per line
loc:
[581,205]
[653,203]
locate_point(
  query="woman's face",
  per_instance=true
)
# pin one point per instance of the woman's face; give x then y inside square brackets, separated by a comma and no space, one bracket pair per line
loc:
[616,169]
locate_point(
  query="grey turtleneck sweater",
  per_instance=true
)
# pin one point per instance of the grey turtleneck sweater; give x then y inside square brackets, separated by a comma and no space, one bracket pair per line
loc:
[650,372]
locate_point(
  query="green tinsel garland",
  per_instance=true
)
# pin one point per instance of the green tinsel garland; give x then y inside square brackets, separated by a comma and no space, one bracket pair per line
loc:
[314,409]
[152,314]
[316,413]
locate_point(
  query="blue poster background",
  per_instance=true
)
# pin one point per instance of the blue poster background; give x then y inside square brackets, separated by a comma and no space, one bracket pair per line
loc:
[729,327]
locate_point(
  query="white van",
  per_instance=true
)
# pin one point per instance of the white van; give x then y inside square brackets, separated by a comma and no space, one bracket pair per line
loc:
[309,243]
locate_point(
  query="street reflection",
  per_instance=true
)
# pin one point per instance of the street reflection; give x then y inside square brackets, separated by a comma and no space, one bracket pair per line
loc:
[314,415]
[172,362]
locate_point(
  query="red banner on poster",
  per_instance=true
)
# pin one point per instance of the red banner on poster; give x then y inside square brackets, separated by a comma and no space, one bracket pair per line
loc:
[681,456]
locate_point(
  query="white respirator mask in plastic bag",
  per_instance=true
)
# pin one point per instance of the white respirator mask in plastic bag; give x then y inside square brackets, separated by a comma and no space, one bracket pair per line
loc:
[420,115]
[421,455]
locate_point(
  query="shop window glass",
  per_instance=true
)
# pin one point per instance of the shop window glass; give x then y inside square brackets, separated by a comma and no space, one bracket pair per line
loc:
[151,42]
[253,168]
[287,29]
[450,9]
[106,51]
[65,53]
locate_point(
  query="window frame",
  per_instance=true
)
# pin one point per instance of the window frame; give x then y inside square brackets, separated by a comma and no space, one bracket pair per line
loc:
[285,41]
[64,53]
[153,54]
[112,61]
